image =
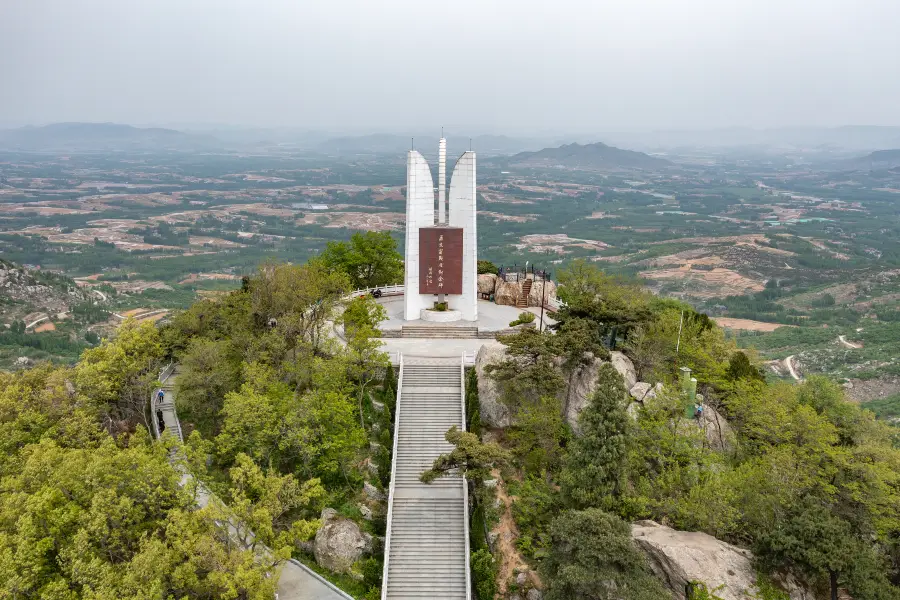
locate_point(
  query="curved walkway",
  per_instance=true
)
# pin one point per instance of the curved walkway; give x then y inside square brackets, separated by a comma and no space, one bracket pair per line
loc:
[296,581]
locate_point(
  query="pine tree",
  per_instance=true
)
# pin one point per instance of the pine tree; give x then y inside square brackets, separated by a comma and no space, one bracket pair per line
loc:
[595,466]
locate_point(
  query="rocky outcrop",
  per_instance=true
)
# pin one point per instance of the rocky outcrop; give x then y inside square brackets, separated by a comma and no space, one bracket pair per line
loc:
[487,283]
[625,367]
[719,434]
[680,557]
[340,542]
[494,413]
[507,293]
[537,293]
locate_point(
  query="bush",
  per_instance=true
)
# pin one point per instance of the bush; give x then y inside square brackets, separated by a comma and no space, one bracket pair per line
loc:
[484,574]
[440,306]
[487,267]
[525,317]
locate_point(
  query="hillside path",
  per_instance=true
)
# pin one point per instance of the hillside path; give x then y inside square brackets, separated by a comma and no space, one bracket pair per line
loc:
[789,363]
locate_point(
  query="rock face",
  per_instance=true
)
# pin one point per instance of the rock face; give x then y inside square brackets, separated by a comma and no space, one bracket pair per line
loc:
[487,282]
[340,542]
[678,557]
[718,432]
[493,412]
[506,293]
[582,386]
[625,367]
[537,293]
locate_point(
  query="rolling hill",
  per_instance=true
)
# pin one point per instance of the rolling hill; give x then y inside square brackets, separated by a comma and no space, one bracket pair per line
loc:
[589,156]
[92,137]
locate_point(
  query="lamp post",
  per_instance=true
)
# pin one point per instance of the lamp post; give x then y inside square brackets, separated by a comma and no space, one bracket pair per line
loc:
[543,299]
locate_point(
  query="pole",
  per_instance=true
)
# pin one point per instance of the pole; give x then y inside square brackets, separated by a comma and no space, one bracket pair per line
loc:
[543,301]
[678,343]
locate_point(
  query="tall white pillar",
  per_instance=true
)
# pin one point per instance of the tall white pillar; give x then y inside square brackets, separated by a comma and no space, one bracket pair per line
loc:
[442,176]
[463,214]
[419,213]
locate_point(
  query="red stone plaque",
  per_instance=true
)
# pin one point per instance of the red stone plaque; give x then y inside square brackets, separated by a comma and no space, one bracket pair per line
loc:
[440,260]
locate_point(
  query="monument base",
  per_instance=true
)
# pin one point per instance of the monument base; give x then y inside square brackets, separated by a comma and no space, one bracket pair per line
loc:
[440,316]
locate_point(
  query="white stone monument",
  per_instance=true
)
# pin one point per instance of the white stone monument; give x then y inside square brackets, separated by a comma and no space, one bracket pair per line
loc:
[441,244]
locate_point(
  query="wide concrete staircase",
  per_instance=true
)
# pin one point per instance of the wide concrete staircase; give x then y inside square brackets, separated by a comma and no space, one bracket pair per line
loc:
[522,300]
[439,331]
[426,553]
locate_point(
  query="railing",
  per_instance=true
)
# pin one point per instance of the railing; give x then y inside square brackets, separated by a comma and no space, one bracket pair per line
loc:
[555,304]
[390,515]
[386,290]
[163,376]
[166,372]
[465,484]
[321,579]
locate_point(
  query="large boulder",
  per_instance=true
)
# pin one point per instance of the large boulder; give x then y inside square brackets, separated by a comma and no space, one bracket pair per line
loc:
[487,282]
[584,383]
[507,292]
[494,413]
[679,557]
[719,434]
[537,293]
[625,367]
[340,542]
[578,394]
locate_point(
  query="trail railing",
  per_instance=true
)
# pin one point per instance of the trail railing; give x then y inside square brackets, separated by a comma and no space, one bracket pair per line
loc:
[465,483]
[379,292]
[390,515]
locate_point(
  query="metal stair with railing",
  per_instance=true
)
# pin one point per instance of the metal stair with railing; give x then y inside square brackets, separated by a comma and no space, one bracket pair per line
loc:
[522,300]
[427,546]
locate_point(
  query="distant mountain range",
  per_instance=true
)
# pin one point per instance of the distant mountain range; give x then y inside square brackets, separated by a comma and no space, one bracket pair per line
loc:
[880,159]
[97,137]
[386,143]
[589,156]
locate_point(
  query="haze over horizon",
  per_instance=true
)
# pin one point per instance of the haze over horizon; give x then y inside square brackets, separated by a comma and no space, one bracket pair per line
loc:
[503,67]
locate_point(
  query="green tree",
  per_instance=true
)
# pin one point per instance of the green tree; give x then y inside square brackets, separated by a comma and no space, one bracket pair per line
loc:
[209,370]
[470,457]
[118,375]
[539,435]
[271,509]
[595,468]
[370,259]
[107,521]
[363,312]
[739,367]
[487,267]
[815,540]
[592,557]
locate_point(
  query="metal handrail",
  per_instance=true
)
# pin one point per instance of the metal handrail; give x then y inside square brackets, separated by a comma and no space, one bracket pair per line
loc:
[390,515]
[465,484]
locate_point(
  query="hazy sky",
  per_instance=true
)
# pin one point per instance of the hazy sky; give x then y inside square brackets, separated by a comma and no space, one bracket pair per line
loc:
[504,67]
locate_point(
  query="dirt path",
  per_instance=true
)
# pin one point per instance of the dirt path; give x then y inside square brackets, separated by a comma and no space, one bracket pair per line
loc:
[789,363]
[854,345]
[506,540]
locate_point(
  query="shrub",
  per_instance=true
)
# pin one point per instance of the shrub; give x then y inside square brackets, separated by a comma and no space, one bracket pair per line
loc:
[486,266]
[525,317]
[484,574]
[440,306]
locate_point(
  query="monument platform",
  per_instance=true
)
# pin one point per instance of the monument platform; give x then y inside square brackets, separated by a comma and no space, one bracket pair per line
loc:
[491,317]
